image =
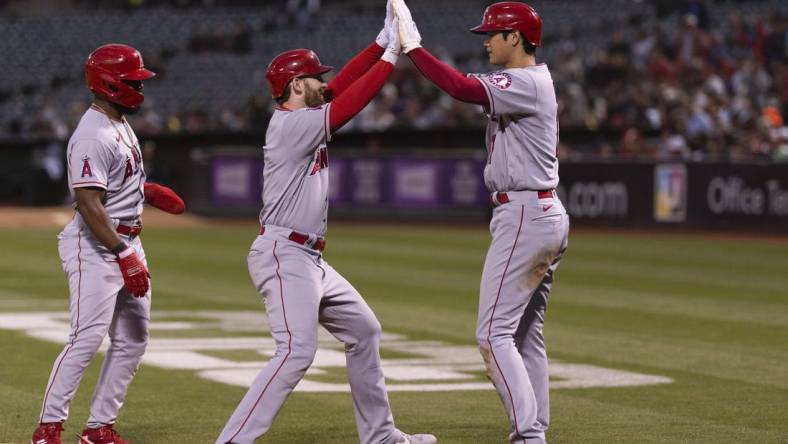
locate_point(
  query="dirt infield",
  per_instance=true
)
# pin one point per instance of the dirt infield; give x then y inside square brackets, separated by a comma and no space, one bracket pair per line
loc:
[58,217]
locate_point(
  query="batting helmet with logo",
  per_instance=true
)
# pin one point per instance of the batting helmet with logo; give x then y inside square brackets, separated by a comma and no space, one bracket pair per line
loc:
[109,66]
[511,16]
[290,65]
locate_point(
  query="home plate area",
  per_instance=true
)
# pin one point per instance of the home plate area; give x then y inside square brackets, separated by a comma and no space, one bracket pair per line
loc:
[232,347]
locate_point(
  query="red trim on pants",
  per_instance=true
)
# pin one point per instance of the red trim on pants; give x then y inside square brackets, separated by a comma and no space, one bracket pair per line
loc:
[76,327]
[289,348]
[495,305]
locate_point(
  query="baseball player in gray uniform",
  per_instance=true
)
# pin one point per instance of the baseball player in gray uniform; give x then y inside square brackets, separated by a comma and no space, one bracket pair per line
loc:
[100,249]
[300,289]
[529,225]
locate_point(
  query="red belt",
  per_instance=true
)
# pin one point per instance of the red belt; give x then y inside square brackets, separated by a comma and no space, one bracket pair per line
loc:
[499,198]
[131,231]
[319,244]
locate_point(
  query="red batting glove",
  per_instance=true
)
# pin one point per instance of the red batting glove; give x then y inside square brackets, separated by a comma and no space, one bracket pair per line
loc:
[164,198]
[135,275]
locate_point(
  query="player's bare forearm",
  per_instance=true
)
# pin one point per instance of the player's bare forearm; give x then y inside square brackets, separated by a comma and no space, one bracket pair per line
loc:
[453,82]
[354,69]
[359,94]
[91,208]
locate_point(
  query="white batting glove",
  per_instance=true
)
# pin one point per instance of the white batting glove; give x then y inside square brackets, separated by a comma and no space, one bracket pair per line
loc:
[383,38]
[401,10]
[410,38]
[394,48]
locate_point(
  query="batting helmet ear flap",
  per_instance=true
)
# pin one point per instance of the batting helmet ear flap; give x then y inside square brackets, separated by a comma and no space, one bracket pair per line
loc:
[114,90]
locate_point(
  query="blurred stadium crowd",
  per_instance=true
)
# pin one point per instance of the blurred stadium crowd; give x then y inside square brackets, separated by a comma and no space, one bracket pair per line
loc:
[693,79]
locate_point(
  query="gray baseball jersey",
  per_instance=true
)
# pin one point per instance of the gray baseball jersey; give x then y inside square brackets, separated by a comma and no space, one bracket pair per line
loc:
[105,153]
[102,153]
[529,235]
[522,132]
[295,178]
[301,290]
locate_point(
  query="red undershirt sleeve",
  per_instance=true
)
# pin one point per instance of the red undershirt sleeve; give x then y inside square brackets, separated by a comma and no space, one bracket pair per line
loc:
[453,82]
[354,69]
[358,95]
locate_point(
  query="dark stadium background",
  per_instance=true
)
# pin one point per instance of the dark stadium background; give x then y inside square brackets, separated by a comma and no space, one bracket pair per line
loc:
[671,112]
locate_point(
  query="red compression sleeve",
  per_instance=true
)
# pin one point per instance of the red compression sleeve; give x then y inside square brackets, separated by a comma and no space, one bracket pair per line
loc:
[358,95]
[455,83]
[354,69]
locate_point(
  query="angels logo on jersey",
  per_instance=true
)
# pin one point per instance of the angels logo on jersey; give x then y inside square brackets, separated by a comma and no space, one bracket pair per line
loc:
[132,162]
[501,80]
[86,171]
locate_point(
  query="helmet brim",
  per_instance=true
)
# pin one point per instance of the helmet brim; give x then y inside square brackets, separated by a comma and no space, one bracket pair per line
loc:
[322,69]
[139,74]
[484,29]
[319,71]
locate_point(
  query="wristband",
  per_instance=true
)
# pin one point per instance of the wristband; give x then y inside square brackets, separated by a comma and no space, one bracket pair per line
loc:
[122,251]
[390,56]
[117,249]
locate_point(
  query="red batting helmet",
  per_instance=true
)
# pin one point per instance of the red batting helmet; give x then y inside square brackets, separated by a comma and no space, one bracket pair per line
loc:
[511,16]
[108,66]
[290,65]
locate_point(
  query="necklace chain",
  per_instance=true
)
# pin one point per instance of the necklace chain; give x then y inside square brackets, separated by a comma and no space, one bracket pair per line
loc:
[130,144]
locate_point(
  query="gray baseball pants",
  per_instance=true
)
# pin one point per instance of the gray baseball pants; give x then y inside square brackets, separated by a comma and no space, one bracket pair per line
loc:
[300,291]
[529,236]
[99,306]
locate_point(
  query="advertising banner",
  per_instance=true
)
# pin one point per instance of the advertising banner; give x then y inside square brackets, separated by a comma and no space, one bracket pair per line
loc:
[670,193]
[408,183]
[727,195]
[235,180]
[607,193]
[600,193]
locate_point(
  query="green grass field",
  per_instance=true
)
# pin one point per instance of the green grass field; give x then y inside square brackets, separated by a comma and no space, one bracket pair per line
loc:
[709,313]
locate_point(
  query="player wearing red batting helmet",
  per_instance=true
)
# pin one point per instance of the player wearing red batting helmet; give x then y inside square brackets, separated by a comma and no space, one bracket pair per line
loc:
[512,16]
[101,251]
[299,287]
[530,227]
[115,73]
[290,65]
